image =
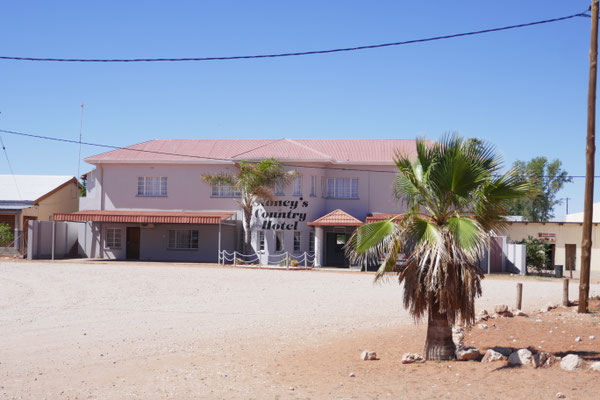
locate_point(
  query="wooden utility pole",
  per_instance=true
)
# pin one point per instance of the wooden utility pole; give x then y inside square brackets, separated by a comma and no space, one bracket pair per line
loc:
[590,151]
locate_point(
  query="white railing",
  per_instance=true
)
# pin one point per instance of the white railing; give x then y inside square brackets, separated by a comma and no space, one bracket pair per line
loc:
[287,260]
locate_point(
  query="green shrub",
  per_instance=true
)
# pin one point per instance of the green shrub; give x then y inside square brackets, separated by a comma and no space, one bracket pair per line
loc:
[536,253]
[6,235]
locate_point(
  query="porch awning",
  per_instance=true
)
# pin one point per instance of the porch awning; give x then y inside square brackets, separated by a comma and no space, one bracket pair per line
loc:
[336,218]
[146,217]
[380,217]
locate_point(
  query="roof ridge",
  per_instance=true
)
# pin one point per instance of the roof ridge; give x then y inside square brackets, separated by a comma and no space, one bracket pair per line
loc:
[257,147]
[309,148]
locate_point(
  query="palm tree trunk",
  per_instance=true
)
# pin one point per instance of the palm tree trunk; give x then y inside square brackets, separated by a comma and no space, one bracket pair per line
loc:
[439,344]
[247,233]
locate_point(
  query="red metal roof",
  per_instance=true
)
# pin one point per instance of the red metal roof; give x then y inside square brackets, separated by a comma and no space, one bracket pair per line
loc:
[207,150]
[146,217]
[380,217]
[336,218]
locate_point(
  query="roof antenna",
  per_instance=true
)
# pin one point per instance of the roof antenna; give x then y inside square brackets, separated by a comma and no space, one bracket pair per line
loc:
[80,133]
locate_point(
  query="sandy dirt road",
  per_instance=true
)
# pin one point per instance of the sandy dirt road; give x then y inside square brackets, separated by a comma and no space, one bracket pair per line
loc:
[118,330]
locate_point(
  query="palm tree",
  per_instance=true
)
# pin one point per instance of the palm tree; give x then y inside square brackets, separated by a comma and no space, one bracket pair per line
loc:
[255,182]
[455,196]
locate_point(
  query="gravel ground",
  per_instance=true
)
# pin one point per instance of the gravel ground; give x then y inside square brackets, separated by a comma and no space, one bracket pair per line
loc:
[145,330]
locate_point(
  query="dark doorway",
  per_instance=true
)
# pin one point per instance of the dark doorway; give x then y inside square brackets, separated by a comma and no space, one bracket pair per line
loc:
[133,244]
[570,256]
[335,249]
[495,255]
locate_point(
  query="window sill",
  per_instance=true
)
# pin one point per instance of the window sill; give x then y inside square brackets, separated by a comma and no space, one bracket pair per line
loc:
[342,198]
[151,195]
[192,249]
[225,197]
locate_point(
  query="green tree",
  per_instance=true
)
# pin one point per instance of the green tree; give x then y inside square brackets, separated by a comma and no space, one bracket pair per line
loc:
[536,253]
[548,178]
[255,182]
[454,195]
[6,235]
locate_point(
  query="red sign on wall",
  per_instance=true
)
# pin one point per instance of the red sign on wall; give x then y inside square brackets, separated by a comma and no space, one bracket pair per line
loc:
[548,237]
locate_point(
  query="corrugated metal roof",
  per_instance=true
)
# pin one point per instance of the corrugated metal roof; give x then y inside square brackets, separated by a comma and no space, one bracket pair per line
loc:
[29,187]
[203,150]
[336,218]
[146,217]
[379,217]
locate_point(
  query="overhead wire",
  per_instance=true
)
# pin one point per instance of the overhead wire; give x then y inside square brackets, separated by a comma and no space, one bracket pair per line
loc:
[298,53]
[219,159]
[10,168]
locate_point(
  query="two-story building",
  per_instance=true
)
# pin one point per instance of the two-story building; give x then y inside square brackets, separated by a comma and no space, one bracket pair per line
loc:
[149,201]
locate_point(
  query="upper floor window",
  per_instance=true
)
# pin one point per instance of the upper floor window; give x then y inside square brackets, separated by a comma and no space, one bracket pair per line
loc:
[342,188]
[279,190]
[152,186]
[183,239]
[224,190]
[313,185]
[298,185]
[113,238]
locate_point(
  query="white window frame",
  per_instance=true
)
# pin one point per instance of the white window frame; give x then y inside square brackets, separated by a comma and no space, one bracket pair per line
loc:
[176,240]
[113,238]
[279,190]
[313,186]
[336,190]
[298,186]
[224,190]
[262,245]
[297,241]
[152,186]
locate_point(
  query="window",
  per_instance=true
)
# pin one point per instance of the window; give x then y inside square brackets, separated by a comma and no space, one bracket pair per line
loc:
[152,186]
[311,241]
[183,239]
[296,241]
[279,190]
[224,190]
[298,186]
[261,240]
[313,185]
[113,238]
[342,188]
[278,240]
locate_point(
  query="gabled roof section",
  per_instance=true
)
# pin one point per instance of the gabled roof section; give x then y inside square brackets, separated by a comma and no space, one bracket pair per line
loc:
[365,151]
[32,188]
[336,218]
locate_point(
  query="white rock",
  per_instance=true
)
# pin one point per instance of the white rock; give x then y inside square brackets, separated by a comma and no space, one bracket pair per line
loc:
[595,366]
[571,362]
[467,353]
[560,395]
[578,339]
[500,308]
[482,326]
[492,355]
[521,357]
[519,313]
[592,337]
[368,355]
[351,375]
[543,359]
[409,358]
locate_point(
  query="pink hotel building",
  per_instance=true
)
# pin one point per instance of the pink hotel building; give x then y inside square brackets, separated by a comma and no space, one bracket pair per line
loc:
[148,201]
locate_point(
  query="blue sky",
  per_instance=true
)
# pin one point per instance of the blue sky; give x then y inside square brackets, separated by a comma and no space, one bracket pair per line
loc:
[524,90]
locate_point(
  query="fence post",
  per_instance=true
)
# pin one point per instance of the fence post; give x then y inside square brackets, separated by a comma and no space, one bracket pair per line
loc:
[234,258]
[519,295]
[287,260]
[566,292]
[305,261]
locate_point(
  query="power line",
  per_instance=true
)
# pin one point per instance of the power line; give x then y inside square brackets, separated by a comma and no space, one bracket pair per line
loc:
[294,54]
[228,160]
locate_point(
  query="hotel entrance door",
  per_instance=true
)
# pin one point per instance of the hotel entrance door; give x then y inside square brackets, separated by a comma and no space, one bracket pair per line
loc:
[335,256]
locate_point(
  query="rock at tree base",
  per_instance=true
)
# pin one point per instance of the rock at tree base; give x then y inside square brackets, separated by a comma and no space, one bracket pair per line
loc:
[368,355]
[409,358]
[521,357]
[571,362]
[500,308]
[492,355]
[467,353]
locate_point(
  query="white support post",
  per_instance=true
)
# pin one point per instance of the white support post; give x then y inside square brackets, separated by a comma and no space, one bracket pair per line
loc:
[305,260]
[219,256]
[318,246]
[234,257]
[53,237]
[287,260]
